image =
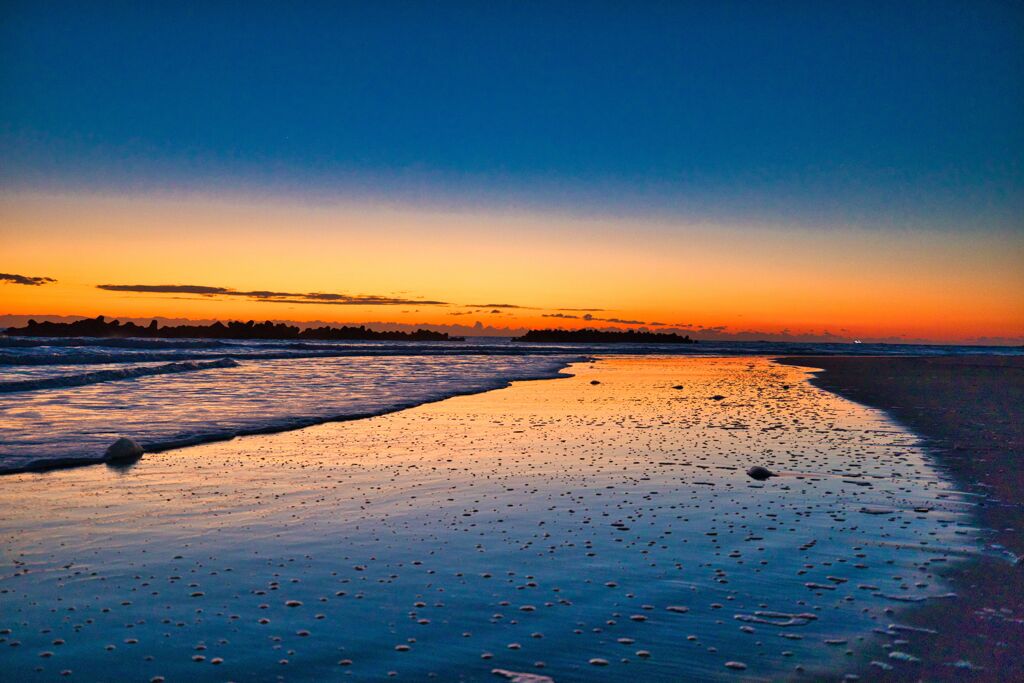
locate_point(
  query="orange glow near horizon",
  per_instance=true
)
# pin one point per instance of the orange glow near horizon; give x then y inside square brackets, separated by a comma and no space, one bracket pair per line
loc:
[853,282]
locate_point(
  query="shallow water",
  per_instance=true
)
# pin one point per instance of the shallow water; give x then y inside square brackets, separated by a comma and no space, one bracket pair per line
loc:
[65,400]
[531,529]
[203,400]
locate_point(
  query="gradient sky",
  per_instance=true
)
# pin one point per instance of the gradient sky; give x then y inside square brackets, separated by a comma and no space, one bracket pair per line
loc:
[853,168]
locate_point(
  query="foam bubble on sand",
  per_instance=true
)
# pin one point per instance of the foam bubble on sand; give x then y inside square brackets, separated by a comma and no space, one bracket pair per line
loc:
[520,677]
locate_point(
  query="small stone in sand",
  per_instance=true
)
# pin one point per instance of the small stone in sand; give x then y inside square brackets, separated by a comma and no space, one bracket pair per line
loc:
[760,473]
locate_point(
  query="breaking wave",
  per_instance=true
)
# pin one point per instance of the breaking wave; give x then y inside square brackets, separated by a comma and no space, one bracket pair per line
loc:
[67,381]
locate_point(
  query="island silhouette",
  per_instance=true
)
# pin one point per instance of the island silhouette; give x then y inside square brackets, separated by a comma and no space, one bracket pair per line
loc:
[100,327]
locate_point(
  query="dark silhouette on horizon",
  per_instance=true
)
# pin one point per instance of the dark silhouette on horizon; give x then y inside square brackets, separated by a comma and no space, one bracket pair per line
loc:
[593,336]
[99,327]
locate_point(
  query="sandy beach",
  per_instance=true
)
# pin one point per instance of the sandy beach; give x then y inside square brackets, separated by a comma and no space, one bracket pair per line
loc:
[595,527]
[971,409]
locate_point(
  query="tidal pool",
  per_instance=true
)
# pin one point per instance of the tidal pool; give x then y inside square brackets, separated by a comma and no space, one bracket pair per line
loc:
[598,527]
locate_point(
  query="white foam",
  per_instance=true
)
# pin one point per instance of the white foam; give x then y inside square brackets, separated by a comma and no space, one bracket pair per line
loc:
[73,419]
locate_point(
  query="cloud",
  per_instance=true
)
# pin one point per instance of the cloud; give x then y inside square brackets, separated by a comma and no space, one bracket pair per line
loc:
[166,289]
[588,317]
[352,301]
[330,298]
[537,308]
[31,280]
[621,321]
[591,318]
[275,297]
[501,306]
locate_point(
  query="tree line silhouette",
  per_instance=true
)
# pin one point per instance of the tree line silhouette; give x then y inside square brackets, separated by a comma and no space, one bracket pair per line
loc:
[100,327]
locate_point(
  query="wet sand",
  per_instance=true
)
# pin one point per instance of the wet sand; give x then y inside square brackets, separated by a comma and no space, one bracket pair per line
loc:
[598,527]
[971,409]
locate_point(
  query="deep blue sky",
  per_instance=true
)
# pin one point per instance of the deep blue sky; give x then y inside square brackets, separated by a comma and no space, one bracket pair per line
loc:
[843,112]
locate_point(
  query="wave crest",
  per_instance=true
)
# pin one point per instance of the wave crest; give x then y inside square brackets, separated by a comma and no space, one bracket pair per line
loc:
[66,381]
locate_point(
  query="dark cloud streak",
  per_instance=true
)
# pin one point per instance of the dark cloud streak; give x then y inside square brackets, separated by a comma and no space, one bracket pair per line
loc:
[330,298]
[590,318]
[166,289]
[30,280]
[275,297]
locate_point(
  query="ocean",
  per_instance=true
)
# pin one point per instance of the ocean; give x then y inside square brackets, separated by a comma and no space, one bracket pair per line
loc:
[64,401]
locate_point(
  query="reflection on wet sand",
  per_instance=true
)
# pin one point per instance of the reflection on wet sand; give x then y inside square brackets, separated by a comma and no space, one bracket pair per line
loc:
[559,528]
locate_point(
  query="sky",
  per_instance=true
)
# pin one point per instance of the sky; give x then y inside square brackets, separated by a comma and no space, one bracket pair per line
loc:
[821,170]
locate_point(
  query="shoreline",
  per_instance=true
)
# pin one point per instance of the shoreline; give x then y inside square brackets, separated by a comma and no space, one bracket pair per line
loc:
[43,465]
[970,412]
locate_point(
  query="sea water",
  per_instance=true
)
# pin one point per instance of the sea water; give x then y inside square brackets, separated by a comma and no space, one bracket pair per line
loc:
[65,400]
